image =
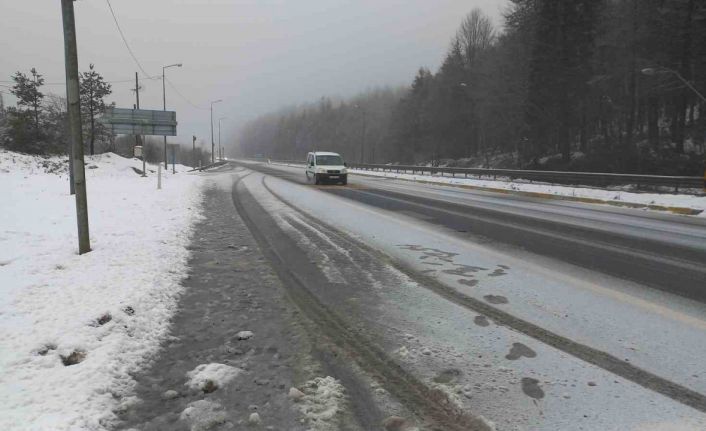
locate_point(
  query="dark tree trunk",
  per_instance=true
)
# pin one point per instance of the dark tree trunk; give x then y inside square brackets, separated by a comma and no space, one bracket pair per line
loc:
[652,121]
[686,73]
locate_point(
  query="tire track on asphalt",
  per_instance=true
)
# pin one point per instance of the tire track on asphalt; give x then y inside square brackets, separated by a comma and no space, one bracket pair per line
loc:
[431,405]
[668,267]
[604,360]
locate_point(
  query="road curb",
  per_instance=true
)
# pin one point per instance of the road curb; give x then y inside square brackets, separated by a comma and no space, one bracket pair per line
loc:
[674,210]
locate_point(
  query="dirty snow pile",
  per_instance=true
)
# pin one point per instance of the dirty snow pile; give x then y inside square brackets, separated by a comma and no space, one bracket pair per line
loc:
[694,202]
[322,402]
[209,377]
[73,328]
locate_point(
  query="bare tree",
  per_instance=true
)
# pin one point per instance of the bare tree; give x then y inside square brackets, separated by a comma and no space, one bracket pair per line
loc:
[475,36]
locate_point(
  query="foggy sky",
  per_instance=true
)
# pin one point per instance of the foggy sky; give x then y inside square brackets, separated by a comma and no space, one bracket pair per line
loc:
[256,55]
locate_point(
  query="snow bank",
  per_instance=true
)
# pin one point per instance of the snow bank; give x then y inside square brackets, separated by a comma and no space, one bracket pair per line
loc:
[693,202]
[73,328]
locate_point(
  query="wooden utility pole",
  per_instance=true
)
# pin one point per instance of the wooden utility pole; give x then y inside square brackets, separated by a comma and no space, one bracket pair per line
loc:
[138,138]
[193,151]
[74,111]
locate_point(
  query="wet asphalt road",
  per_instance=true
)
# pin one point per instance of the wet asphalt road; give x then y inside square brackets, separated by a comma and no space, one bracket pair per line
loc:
[222,294]
[663,251]
[381,315]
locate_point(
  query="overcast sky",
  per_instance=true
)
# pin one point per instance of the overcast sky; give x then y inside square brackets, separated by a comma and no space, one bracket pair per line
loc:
[256,55]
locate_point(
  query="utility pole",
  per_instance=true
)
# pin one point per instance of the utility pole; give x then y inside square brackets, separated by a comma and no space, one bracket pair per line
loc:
[213,145]
[138,138]
[74,111]
[193,151]
[362,138]
[164,106]
[220,148]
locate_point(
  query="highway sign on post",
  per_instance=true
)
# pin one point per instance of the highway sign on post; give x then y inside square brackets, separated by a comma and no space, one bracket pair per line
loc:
[123,121]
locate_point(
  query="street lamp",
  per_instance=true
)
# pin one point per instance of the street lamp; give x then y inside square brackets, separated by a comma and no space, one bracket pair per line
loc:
[220,148]
[213,145]
[652,71]
[164,101]
[362,138]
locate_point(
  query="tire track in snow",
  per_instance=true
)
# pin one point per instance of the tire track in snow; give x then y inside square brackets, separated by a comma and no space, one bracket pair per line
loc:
[583,352]
[432,405]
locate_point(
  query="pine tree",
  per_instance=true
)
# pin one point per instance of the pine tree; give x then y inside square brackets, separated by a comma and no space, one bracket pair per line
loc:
[93,89]
[26,90]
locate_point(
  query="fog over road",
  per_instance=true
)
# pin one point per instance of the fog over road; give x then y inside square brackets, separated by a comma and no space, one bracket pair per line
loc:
[532,314]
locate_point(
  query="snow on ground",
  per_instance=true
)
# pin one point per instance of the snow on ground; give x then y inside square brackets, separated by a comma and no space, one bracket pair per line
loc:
[204,415]
[72,328]
[322,403]
[619,196]
[209,377]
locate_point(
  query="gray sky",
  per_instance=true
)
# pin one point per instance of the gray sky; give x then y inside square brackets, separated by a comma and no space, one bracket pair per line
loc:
[256,55]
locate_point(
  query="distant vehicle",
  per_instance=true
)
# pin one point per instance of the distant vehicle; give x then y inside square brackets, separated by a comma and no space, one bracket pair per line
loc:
[324,166]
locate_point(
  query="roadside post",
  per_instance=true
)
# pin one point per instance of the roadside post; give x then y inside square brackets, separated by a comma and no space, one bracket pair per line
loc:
[159,176]
[74,111]
[199,165]
[193,151]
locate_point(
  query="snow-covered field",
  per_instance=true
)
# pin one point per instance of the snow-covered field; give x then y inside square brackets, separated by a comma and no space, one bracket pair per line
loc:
[694,202]
[73,328]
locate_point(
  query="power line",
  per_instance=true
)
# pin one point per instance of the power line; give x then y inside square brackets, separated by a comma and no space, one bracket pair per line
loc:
[173,87]
[122,35]
[112,12]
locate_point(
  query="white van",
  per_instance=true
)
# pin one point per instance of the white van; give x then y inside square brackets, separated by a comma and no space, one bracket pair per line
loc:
[323,166]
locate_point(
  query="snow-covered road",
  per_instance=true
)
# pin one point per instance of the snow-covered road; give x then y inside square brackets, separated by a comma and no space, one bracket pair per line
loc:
[627,357]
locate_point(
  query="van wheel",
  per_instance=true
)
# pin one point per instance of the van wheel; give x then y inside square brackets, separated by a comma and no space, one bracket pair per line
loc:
[344,182]
[307,176]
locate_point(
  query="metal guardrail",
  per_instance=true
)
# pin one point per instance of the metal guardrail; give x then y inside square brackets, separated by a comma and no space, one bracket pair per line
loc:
[555,177]
[594,179]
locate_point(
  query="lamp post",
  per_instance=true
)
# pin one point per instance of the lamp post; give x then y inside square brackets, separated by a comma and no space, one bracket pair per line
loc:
[652,71]
[164,101]
[362,137]
[220,148]
[213,145]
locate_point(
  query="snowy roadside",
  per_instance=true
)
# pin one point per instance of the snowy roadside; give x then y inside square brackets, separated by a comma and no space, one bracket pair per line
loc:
[657,201]
[73,328]
[649,200]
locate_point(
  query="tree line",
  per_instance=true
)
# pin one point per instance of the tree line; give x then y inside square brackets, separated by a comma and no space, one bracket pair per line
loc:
[600,85]
[38,124]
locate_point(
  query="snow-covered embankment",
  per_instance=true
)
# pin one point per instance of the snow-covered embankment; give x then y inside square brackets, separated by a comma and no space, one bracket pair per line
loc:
[73,328]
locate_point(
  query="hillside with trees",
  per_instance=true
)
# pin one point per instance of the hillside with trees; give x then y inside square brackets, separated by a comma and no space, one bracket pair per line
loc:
[596,85]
